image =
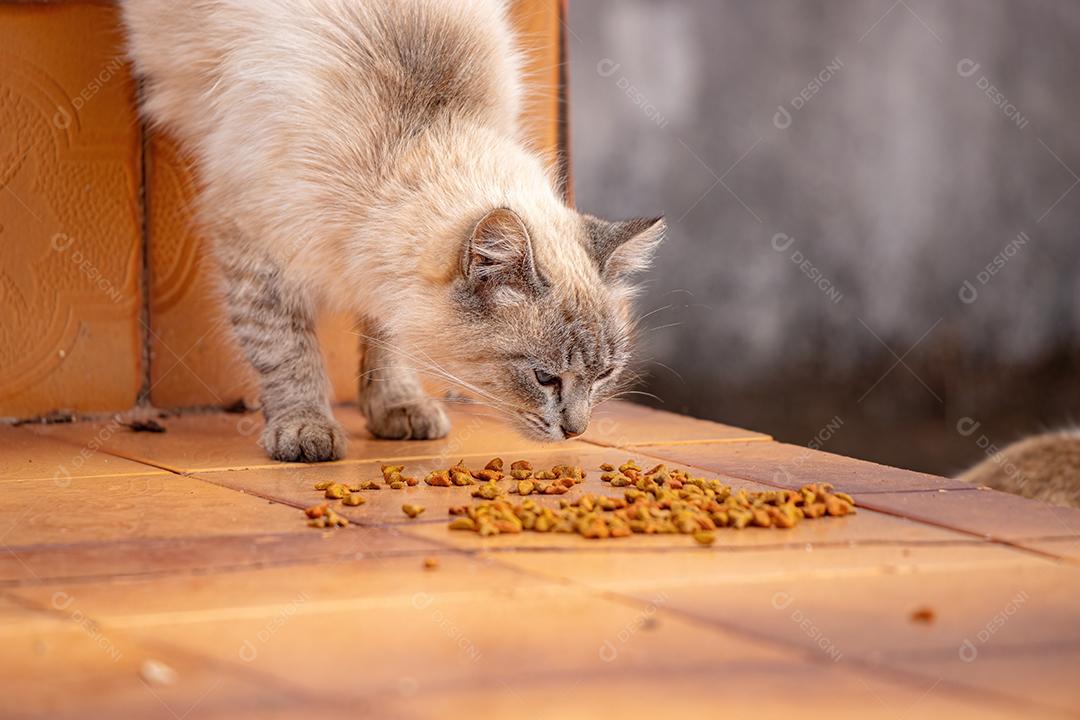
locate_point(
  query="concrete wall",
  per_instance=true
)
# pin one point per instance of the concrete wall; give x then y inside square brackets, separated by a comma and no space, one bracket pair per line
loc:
[837,175]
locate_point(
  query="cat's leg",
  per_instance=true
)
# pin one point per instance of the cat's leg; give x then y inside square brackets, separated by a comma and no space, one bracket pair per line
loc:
[391,397]
[274,323]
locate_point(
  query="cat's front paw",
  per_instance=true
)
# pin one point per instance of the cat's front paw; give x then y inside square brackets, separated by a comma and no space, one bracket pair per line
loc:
[423,419]
[304,437]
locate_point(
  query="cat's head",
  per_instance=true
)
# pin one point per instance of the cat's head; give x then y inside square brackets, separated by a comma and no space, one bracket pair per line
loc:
[543,317]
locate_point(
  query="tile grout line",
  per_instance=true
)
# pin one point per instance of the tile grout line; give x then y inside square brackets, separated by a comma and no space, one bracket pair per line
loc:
[145,353]
[510,550]
[1013,544]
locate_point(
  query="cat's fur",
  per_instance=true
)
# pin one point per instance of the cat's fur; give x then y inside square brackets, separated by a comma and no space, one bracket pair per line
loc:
[1043,467]
[365,154]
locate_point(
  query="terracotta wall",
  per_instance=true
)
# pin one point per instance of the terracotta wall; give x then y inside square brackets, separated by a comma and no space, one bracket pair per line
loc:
[107,297]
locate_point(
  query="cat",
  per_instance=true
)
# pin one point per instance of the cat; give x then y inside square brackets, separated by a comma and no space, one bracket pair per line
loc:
[365,155]
[1043,467]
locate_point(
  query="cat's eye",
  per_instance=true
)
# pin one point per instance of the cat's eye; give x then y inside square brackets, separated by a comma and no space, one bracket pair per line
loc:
[545,378]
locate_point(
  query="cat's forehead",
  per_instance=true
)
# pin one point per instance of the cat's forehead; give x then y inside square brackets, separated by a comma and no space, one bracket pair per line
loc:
[586,332]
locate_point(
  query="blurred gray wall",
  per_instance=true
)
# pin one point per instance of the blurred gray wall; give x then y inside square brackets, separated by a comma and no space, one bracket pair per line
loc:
[873,207]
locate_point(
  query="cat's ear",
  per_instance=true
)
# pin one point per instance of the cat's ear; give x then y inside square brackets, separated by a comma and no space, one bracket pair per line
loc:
[623,248]
[499,255]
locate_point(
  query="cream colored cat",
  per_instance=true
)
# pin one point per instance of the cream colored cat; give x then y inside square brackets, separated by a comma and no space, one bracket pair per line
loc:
[364,154]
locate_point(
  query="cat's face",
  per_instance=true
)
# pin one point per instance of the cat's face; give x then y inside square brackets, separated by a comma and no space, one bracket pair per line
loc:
[548,332]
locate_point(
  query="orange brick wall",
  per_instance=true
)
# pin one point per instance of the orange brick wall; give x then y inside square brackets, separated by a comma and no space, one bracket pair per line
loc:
[74,192]
[70,242]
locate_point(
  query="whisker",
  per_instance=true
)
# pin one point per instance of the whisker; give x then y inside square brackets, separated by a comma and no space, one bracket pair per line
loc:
[653,312]
[670,369]
[433,368]
[636,392]
[661,327]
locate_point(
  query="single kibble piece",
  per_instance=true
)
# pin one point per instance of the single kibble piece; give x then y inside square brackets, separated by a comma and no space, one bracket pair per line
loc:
[438,478]
[704,538]
[488,491]
[316,510]
[431,563]
[336,491]
[607,467]
[353,499]
[461,478]
[495,464]
[412,510]
[323,484]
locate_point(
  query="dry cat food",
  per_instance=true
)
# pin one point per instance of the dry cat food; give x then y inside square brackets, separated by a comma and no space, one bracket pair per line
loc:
[323,516]
[461,475]
[660,500]
[394,478]
[655,501]
[412,510]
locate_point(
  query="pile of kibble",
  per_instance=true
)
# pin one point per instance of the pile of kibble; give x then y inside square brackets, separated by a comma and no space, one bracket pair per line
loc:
[655,501]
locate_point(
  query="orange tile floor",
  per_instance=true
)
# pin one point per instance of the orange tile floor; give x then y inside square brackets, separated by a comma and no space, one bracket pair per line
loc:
[173,576]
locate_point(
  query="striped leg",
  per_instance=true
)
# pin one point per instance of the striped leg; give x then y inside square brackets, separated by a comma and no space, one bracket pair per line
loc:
[275,327]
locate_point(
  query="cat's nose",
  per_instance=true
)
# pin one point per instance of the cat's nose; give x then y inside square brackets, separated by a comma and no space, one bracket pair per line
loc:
[575,423]
[575,410]
[572,432]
